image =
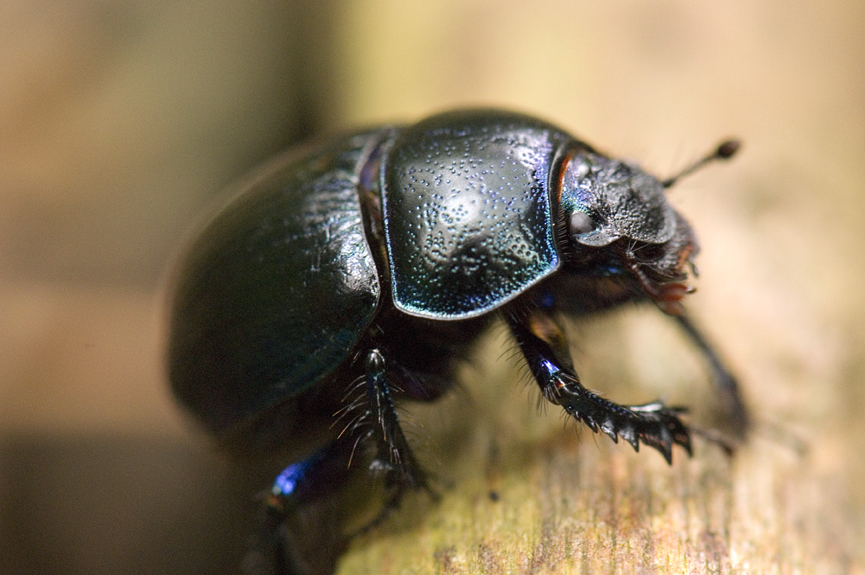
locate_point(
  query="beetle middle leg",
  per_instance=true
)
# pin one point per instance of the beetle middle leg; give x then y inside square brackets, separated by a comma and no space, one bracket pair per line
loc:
[394,458]
[301,491]
[545,349]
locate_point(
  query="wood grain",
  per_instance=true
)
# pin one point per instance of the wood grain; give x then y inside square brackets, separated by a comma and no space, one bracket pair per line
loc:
[526,494]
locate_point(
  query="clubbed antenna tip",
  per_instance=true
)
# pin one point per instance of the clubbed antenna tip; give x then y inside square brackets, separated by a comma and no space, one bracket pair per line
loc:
[724,151]
[728,149]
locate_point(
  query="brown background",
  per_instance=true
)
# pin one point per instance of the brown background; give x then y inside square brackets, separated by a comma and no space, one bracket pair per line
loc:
[120,120]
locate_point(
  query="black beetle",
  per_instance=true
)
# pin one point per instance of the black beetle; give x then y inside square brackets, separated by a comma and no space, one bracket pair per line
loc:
[374,260]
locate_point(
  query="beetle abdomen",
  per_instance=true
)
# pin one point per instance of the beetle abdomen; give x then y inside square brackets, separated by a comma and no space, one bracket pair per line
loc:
[468,217]
[278,289]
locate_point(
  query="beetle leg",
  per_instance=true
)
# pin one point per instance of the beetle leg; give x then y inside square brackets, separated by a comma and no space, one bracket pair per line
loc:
[394,457]
[725,383]
[544,346]
[291,539]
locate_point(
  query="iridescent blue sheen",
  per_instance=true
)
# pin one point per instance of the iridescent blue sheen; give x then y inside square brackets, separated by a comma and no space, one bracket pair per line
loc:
[287,481]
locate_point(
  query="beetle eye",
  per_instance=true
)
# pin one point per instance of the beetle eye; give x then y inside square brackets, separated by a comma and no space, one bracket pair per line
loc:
[580,167]
[580,223]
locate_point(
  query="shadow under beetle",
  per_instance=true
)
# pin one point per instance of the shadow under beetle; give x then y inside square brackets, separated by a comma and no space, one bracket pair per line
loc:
[373,261]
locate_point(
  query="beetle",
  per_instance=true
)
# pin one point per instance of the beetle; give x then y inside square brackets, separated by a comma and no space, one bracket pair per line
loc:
[366,267]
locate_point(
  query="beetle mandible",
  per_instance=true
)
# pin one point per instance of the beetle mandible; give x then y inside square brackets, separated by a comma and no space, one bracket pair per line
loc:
[381,256]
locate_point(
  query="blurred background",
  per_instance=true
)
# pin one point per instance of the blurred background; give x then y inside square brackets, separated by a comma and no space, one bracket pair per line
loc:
[120,121]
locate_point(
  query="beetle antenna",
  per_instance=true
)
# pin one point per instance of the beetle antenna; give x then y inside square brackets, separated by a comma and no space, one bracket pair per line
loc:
[725,151]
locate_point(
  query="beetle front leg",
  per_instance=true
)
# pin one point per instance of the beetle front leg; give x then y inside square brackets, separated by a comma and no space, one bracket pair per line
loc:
[725,383]
[545,349]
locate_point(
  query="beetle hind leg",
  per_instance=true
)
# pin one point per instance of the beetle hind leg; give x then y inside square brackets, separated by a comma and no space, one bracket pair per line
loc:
[296,534]
[545,349]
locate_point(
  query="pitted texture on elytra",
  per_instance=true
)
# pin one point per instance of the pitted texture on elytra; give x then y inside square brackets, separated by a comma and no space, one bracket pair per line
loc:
[278,290]
[467,214]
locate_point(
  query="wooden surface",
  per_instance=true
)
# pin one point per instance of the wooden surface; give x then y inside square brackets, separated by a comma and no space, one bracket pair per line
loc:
[531,495]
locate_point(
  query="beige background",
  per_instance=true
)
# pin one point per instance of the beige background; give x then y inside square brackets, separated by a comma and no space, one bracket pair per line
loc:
[119,120]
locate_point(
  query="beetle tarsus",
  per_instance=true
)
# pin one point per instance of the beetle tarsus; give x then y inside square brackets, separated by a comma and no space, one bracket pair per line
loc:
[267,554]
[653,424]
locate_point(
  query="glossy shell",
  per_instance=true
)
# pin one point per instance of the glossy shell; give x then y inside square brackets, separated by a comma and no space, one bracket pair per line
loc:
[279,288]
[274,297]
[467,212]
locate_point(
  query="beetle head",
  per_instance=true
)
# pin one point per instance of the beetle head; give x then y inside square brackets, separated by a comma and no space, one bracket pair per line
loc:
[620,225]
